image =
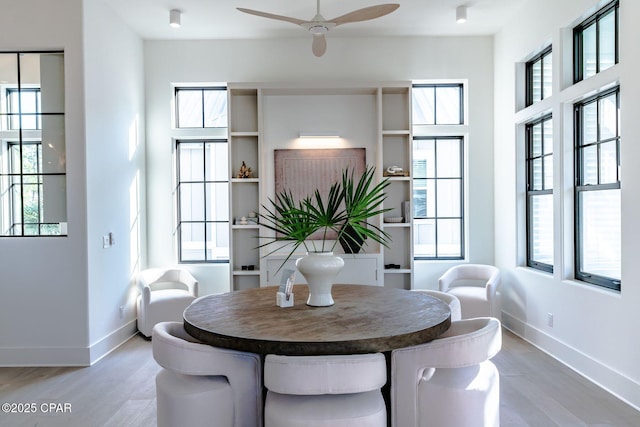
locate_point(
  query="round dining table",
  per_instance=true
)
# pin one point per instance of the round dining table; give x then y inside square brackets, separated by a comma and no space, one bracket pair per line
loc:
[364,319]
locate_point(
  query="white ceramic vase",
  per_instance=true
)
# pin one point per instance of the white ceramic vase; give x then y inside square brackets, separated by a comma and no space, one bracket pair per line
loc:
[320,269]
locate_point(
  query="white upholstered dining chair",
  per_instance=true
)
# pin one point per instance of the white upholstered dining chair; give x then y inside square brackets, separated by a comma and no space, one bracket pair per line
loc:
[449,381]
[451,300]
[202,385]
[476,286]
[164,294]
[325,391]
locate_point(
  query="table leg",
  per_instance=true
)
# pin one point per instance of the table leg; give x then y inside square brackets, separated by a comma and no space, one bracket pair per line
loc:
[264,388]
[386,389]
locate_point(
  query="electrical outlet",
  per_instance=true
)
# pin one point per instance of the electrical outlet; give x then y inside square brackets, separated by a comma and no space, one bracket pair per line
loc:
[106,241]
[550,320]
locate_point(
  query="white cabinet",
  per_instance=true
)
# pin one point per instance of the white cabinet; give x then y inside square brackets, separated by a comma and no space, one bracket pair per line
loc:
[358,269]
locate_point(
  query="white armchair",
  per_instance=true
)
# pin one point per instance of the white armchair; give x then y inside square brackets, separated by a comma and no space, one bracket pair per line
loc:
[164,294]
[449,381]
[476,286]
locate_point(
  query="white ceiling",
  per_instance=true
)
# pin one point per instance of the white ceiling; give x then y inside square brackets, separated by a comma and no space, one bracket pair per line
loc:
[219,19]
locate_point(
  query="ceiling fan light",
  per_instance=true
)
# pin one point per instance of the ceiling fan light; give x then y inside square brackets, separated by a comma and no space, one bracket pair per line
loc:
[317,30]
[461,14]
[174,18]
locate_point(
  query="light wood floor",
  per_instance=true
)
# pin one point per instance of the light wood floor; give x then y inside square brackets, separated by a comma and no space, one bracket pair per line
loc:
[119,391]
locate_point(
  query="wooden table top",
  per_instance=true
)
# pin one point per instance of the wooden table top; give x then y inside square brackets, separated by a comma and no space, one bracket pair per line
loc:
[364,319]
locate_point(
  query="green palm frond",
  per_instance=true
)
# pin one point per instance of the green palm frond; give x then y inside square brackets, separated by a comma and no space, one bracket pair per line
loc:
[348,203]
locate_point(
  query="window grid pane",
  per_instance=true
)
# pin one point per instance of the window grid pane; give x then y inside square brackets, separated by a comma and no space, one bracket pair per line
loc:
[539,77]
[438,198]
[437,104]
[190,112]
[607,41]
[596,42]
[598,232]
[203,200]
[448,105]
[215,108]
[201,107]
[541,228]
[589,52]
[539,165]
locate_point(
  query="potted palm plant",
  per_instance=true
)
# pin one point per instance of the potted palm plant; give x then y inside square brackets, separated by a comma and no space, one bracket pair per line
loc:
[345,213]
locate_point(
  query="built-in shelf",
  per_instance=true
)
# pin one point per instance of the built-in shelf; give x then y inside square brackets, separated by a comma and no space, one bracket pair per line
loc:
[245,180]
[246,227]
[396,148]
[396,225]
[246,272]
[250,133]
[391,103]
[244,193]
[397,271]
[396,132]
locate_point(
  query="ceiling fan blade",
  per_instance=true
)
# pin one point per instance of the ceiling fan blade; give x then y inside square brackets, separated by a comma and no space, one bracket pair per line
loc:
[272,16]
[319,46]
[366,14]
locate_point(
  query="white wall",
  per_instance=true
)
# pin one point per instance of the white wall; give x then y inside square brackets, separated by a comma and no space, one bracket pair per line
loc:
[291,60]
[593,328]
[114,96]
[61,296]
[43,307]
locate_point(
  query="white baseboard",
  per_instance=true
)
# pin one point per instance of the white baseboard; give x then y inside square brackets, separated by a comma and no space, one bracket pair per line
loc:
[603,376]
[67,356]
[106,345]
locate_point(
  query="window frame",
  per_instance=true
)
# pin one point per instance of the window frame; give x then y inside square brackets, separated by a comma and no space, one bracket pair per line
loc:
[202,89]
[545,53]
[462,217]
[531,193]
[204,182]
[607,282]
[578,41]
[435,86]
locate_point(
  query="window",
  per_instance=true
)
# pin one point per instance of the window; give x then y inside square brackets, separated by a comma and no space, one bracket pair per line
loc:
[437,104]
[201,107]
[539,77]
[202,166]
[203,200]
[596,43]
[32,145]
[597,195]
[437,171]
[438,200]
[539,141]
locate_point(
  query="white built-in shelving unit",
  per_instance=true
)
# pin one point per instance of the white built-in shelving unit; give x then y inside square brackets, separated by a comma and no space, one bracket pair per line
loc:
[390,104]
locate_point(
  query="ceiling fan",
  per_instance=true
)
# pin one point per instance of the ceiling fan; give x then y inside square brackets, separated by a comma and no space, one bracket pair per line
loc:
[318,26]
